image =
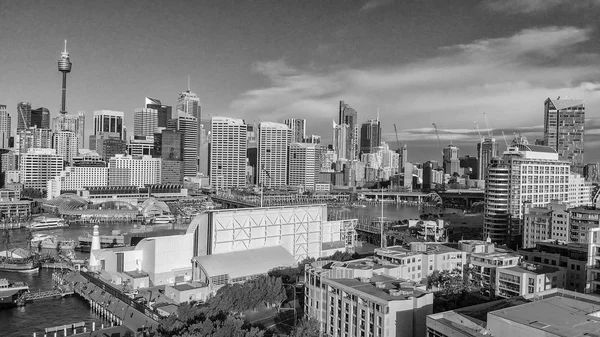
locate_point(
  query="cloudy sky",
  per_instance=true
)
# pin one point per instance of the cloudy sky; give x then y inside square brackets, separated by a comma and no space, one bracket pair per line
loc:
[417,61]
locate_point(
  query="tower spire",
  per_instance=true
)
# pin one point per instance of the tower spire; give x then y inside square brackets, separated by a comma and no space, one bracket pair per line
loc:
[65,46]
[188,83]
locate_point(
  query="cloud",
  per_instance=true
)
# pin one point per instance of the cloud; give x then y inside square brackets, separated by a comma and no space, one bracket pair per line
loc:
[536,6]
[508,78]
[372,4]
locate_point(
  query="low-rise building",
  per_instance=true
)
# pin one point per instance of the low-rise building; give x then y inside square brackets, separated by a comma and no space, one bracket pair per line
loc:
[485,265]
[422,259]
[372,305]
[528,279]
[555,312]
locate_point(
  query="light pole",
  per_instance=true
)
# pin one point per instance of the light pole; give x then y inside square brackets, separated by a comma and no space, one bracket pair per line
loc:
[294,301]
[381,222]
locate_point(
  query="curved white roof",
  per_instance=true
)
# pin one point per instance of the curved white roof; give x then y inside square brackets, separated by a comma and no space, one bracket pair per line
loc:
[247,262]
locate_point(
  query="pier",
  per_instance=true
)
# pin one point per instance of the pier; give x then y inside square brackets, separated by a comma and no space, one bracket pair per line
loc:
[109,302]
[59,292]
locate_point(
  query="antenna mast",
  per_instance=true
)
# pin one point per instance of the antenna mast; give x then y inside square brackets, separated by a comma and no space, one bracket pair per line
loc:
[438,137]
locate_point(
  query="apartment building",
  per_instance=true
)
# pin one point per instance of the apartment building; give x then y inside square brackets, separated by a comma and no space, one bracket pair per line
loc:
[371,305]
[528,279]
[37,166]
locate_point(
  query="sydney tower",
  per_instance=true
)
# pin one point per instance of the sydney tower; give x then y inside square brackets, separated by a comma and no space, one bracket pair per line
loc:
[64,66]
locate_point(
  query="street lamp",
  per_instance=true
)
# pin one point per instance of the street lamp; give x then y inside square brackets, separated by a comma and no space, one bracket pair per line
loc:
[294,301]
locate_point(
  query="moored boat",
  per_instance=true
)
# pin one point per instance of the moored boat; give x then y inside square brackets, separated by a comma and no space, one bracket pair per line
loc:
[44,222]
[19,266]
[162,219]
[11,291]
[47,241]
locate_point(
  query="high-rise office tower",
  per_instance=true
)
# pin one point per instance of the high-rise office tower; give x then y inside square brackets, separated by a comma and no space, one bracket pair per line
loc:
[64,66]
[228,153]
[164,111]
[370,136]
[487,149]
[188,125]
[189,103]
[73,123]
[203,151]
[451,160]
[145,122]
[298,127]
[304,165]
[66,145]
[109,123]
[168,146]
[349,116]
[40,118]
[273,142]
[5,127]
[109,133]
[28,117]
[403,157]
[564,127]
[525,173]
[340,143]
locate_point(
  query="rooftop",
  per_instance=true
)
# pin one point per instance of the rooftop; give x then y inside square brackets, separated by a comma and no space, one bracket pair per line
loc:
[556,316]
[535,269]
[381,287]
[585,209]
[246,262]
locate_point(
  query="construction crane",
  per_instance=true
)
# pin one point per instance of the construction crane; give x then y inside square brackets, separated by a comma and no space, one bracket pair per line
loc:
[478,132]
[505,141]
[487,126]
[438,137]
[397,140]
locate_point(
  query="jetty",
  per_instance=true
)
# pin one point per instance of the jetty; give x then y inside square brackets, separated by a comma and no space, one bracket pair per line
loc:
[58,292]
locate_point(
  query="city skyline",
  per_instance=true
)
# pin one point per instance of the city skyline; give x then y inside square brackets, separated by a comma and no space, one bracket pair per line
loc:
[269,72]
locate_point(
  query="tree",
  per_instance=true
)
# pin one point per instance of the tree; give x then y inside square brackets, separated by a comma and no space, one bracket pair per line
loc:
[307,327]
[32,193]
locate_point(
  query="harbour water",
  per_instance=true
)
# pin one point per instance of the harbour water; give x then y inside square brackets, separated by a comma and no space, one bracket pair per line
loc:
[35,317]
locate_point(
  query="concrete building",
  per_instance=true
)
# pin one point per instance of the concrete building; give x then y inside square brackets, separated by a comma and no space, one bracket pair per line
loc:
[422,259]
[37,166]
[564,128]
[145,122]
[545,223]
[578,259]
[188,125]
[349,116]
[298,129]
[551,313]
[304,165]
[273,143]
[109,123]
[486,150]
[76,178]
[66,145]
[486,263]
[5,127]
[141,146]
[451,162]
[525,173]
[580,191]
[137,171]
[302,230]
[528,278]
[73,123]
[370,136]
[164,111]
[364,302]
[340,140]
[33,138]
[107,146]
[228,153]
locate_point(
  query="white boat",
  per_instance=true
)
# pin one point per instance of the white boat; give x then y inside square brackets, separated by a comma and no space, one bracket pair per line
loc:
[48,241]
[163,219]
[43,222]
